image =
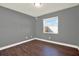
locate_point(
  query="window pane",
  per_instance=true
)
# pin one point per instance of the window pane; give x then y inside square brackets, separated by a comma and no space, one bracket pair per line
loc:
[51,25]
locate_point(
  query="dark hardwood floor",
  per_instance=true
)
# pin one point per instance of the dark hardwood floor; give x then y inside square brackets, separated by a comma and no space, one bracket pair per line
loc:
[39,48]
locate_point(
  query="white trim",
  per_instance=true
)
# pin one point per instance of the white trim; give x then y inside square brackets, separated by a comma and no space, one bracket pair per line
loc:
[15,44]
[64,44]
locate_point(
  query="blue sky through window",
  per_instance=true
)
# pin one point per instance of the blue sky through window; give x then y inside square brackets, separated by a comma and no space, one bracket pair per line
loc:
[51,25]
[51,21]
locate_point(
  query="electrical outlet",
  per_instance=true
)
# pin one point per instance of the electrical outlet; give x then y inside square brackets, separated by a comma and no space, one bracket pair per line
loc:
[31,36]
[26,37]
[50,38]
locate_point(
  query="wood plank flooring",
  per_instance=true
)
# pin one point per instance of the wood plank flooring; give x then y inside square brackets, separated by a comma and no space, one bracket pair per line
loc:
[39,48]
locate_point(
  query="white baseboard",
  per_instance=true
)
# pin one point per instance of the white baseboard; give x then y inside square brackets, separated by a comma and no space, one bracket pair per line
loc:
[64,44]
[15,44]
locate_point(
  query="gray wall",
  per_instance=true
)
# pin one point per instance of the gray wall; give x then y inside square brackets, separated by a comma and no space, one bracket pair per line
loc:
[14,25]
[68,26]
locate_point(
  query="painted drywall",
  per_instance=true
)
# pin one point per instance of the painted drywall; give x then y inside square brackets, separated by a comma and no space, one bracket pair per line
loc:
[68,26]
[14,26]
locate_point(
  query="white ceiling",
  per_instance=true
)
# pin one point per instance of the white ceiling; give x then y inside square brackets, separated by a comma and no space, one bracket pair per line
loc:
[30,9]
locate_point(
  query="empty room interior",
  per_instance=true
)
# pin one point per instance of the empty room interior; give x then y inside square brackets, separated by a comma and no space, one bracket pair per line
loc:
[39,29]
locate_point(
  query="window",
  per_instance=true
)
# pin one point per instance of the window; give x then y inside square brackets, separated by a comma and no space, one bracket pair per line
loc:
[50,25]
